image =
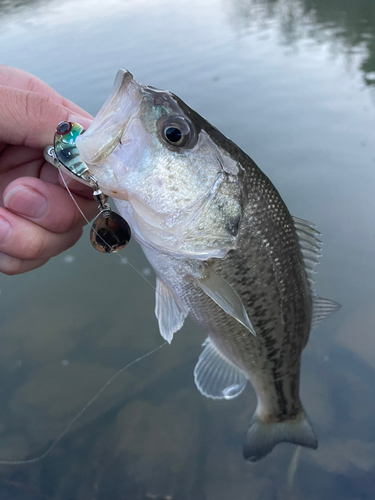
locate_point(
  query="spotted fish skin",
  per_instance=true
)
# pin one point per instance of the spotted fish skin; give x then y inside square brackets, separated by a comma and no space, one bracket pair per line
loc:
[268,273]
[224,247]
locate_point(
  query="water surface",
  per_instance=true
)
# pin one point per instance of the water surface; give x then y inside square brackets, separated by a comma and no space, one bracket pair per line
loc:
[292,83]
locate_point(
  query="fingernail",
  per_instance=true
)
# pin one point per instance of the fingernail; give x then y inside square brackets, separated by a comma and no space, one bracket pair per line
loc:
[82,120]
[5,230]
[26,201]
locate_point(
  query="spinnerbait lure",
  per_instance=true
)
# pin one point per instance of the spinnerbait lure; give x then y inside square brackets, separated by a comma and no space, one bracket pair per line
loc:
[109,231]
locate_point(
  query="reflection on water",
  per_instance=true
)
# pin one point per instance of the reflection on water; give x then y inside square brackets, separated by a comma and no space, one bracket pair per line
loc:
[21,9]
[284,80]
[348,26]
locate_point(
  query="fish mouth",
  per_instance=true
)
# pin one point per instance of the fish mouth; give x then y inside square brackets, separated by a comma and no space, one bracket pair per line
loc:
[107,128]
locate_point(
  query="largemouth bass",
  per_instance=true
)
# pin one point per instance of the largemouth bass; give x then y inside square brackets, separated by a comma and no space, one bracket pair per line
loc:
[224,247]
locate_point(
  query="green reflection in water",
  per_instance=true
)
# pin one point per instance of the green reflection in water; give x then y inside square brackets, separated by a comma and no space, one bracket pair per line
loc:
[349,24]
[10,7]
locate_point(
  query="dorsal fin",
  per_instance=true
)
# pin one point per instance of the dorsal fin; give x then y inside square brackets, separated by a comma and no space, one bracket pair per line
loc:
[310,246]
[311,252]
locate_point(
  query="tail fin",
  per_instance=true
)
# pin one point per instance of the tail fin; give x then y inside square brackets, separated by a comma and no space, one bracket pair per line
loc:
[263,436]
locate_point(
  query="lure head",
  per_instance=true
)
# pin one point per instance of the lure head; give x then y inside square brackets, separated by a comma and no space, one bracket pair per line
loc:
[66,150]
[168,170]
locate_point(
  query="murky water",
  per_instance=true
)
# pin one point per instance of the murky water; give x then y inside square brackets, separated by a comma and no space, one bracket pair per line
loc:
[292,83]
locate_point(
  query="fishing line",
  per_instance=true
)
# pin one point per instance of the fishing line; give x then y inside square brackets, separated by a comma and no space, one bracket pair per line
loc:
[293,468]
[123,259]
[81,412]
[117,374]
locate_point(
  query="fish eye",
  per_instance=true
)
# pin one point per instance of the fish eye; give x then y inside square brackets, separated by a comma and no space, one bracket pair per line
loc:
[176,131]
[63,128]
[173,134]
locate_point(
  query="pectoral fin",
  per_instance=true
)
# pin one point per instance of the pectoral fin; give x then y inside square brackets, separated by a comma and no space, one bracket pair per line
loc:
[226,297]
[170,314]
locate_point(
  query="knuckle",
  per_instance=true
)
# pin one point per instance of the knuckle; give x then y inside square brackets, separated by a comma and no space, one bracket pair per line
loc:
[40,109]
[34,106]
[36,246]
[33,84]
[12,104]
[65,222]
[74,236]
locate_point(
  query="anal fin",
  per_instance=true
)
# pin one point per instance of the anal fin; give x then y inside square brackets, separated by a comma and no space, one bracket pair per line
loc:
[215,376]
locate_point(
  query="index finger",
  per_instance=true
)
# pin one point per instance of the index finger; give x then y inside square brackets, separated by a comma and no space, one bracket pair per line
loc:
[22,80]
[30,119]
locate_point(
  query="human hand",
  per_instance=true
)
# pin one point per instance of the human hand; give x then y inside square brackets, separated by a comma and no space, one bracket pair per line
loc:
[38,220]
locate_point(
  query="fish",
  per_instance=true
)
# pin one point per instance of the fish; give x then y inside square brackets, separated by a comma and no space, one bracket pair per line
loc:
[224,247]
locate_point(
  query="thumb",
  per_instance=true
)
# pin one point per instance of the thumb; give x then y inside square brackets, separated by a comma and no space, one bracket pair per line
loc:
[30,119]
